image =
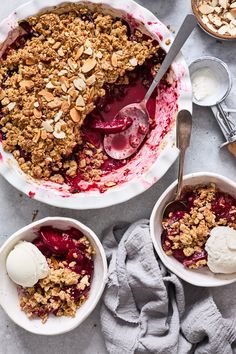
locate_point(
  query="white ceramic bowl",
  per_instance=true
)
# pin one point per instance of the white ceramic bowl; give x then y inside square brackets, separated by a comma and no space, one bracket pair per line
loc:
[201,277]
[155,157]
[9,299]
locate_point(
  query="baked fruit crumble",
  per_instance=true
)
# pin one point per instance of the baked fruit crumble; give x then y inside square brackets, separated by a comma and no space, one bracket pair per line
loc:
[62,81]
[186,232]
[70,258]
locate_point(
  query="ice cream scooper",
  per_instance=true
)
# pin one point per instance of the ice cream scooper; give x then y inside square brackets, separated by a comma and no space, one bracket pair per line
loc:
[214,73]
[122,145]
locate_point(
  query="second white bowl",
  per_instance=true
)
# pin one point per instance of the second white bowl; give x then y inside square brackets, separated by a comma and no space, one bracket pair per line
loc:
[201,277]
[9,299]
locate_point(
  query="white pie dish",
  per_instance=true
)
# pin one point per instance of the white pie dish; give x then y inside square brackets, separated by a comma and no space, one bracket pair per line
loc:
[143,174]
[201,277]
[9,299]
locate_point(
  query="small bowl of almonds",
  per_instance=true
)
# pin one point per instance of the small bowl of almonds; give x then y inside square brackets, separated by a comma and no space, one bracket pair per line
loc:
[216,17]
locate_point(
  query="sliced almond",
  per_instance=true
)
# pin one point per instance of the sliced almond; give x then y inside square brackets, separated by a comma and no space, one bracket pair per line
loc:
[91,80]
[87,43]
[2,94]
[65,107]
[56,103]
[88,65]
[47,95]
[79,53]
[233,5]
[133,62]
[110,184]
[211,27]
[56,45]
[73,66]
[58,116]
[205,19]
[64,88]
[79,84]
[223,29]
[59,135]
[11,106]
[50,85]
[232,31]
[214,3]
[62,72]
[80,101]
[65,81]
[47,125]
[206,9]
[75,115]
[218,9]
[44,134]
[88,51]
[37,113]
[215,20]
[114,60]
[27,84]
[60,52]
[57,127]
[5,101]
[99,55]
[223,3]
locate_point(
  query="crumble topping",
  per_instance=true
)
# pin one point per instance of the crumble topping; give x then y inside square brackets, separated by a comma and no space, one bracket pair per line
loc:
[187,232]
[63,291]
[52,82]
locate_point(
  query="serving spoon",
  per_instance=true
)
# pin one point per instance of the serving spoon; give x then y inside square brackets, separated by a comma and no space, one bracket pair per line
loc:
[183,134]
[124,144]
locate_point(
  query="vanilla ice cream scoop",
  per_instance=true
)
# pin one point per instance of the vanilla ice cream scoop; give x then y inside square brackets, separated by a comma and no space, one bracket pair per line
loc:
[25,264]
[221,249]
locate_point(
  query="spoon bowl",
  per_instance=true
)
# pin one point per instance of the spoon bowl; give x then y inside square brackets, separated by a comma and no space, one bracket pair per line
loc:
[124,144]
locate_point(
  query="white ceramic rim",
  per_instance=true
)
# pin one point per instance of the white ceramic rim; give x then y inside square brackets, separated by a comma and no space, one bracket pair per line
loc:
[94,199]
[96,240]
[152,221]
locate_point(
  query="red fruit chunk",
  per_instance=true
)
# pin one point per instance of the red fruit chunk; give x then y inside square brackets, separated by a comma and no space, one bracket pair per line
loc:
[75,255]
[189,261]
[93,137]
[74,233]
[42,247]
[113,127]
[55,241]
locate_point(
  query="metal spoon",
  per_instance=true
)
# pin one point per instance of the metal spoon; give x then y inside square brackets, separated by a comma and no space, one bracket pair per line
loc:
[183,134]
[122,145]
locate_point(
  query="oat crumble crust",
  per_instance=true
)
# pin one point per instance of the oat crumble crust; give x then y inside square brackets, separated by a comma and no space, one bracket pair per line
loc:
[56,79]
[54,294]
[191,232]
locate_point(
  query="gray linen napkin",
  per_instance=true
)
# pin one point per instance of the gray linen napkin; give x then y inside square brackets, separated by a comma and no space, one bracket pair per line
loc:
[144,308]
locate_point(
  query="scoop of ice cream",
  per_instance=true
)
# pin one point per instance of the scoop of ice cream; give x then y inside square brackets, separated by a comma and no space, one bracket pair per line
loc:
[25,264]
[221,249]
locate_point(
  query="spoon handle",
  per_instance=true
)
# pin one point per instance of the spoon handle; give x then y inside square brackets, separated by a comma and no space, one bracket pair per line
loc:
[183,134]
[184,32]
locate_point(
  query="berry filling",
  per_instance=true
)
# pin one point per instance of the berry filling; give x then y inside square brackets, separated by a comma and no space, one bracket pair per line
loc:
[186,232]
[65,110]
[70,258]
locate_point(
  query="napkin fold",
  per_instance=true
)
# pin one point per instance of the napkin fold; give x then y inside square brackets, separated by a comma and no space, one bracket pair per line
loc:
[144,308]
